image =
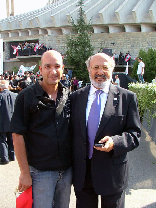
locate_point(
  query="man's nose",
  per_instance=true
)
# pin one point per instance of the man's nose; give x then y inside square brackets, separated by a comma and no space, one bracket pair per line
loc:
[53,70]
[100,71]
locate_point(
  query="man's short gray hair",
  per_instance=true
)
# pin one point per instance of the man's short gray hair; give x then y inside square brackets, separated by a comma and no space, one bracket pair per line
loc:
[108,59]
[4,84]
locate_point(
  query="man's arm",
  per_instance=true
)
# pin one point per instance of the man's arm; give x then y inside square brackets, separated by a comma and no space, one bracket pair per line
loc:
[25,180]
[143,66]
[142,70]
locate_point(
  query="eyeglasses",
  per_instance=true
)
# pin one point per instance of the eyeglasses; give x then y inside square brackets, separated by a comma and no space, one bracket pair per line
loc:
[104,68]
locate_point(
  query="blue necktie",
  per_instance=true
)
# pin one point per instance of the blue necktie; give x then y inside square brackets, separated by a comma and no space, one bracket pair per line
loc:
[93,122]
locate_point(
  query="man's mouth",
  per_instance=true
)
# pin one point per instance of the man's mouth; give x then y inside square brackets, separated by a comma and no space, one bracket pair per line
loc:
[53,77]
[97,76]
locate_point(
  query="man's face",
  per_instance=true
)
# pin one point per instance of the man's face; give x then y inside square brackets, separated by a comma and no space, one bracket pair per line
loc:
[51,68]
[99,71]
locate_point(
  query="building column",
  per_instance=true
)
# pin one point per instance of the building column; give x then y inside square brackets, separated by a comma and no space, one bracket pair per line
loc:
[12,7]
[7,8]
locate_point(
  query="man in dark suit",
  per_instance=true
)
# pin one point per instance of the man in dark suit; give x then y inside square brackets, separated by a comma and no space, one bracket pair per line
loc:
[102,170]
[7,101]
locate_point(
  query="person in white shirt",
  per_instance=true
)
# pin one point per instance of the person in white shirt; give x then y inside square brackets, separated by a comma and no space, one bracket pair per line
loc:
[141,70]
[116,58]
[117,80]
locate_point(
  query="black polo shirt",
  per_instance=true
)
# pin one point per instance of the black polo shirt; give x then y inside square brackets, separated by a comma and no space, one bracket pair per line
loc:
[45,127]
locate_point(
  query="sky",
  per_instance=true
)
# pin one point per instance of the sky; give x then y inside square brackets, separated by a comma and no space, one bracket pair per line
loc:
[22,6]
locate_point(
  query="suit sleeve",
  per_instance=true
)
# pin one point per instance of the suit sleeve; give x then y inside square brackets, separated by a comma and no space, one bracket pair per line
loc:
[130,137]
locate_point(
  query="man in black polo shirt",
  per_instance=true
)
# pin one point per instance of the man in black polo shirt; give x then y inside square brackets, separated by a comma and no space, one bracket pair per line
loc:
[40,126]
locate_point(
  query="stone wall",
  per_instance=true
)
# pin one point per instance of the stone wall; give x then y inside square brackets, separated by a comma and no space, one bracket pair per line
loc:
[123,42]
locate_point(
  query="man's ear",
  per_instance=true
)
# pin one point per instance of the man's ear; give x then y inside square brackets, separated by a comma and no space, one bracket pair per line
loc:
[88,69]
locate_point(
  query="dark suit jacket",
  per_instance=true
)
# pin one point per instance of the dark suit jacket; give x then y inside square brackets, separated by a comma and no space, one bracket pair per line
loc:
[7,101]
[121,121]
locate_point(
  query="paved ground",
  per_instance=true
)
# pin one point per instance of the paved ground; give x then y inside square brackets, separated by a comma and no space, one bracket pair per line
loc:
[141,192]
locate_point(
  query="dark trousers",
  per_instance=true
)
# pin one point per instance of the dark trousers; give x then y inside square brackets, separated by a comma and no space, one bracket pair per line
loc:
[6,147]
[87,198]
[116,61]
[75,87]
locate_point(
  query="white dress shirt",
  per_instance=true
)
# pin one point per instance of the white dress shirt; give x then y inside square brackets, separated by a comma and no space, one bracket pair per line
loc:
[92,96]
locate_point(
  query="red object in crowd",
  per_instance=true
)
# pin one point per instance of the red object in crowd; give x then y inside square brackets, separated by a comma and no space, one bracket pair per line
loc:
[127,58]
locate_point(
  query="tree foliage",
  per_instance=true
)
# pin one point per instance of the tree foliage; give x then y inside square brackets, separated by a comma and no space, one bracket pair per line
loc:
[149,58]
[79,46]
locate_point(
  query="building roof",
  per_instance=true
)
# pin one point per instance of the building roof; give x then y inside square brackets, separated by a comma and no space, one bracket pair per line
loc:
[105,16]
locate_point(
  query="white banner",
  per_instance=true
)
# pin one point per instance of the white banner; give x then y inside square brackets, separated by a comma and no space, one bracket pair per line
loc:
[1,56]
[22,69]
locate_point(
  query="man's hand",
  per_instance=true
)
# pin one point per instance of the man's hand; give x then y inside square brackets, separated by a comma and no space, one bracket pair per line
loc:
[25,181]
[109,144]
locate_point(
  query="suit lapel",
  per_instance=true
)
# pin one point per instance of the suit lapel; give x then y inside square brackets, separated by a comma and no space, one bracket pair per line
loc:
[112,101]
[82,104]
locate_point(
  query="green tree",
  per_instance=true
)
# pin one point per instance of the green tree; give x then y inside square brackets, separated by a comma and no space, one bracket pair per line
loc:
[150,65]
[79,46]
[14,69]
[149,58]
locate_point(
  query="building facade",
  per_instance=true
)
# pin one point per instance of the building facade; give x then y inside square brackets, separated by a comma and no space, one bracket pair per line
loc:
[120,25]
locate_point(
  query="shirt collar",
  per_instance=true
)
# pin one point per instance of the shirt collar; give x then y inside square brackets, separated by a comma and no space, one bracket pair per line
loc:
[41,92]
[62,91]
[93,89]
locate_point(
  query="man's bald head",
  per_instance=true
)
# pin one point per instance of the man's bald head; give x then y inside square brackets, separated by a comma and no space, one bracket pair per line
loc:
[107,60]
[51,68]
[51,53]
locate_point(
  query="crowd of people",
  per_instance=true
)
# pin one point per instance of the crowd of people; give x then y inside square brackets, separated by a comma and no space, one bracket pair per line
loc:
[28,49]
[81,137]
[17,82]
[121,59]
[71,82]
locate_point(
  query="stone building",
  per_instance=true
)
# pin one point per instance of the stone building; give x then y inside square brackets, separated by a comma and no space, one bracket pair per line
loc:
[119,25]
